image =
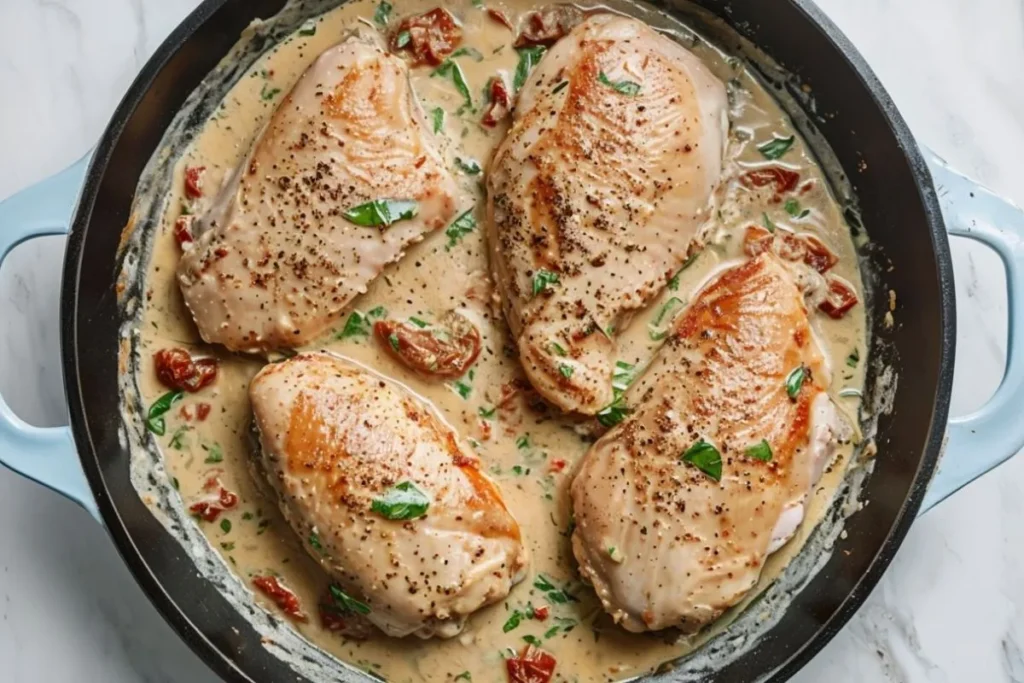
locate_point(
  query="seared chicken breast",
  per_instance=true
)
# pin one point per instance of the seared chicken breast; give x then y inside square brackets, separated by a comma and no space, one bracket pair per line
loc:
[410,529]
[344,177]
[595,196]
[678,506]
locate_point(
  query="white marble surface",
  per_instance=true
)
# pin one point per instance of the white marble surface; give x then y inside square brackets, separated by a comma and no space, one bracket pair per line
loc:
[951,607]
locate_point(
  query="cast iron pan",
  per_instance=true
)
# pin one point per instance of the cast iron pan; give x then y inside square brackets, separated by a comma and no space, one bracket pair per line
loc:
[897,202]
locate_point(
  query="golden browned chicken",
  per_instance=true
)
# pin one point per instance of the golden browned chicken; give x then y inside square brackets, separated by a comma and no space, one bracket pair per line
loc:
[678,506]
[596,194]
[342,180]
[415,536]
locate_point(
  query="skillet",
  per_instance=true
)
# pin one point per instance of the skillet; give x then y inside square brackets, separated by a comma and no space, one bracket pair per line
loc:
[899,200]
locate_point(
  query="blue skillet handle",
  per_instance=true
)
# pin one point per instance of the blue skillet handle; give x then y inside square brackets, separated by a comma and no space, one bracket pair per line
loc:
[990,436]
[46,455]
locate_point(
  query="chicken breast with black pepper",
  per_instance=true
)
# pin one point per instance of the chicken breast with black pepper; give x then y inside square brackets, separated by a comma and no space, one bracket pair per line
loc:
[409,528]
[344,177]
[596,194]
[678,506]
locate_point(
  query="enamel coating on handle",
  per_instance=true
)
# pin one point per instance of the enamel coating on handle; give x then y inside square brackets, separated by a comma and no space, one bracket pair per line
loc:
[978,442]
[46,455]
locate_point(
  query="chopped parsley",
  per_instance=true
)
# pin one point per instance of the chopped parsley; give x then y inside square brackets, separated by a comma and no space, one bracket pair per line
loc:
[565,370]
[554,593]
[402,501]
[543,281]
[460,227]
[706,458]
[776,147]
[625,87]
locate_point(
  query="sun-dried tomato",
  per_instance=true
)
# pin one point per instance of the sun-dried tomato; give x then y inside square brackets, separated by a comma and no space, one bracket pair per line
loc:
[206,510]
[349,625]
[541,613]
[183,230]
[818,255]
[500,17]
[429,37]
[757,240]
[202,411]
[500,105]
[446,349]
[176,369]
[533,665]
[227,499]
[840,297]
[558,464]
[282,597]
[790,246]
[194,181]
[548,24]
[783,179]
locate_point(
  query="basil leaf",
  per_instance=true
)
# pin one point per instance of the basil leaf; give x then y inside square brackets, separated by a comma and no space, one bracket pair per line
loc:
[438,118]
[468,166]
[154,418]
[468,52]
[557,348]
[613,413]
[565,370]
[668,309]
[267,94]
[314,541]
[177,441]
[418,323]
[528,58]
[393,340]
[486,413]
[225,525]
[462,388]
[356,326]
[464,676]
[214,454]
[451,69]
[625,87]
[383,13]
[543,584]
[382,212]
[853,358]
[706,458]
[308,28]
[792,207]
[402,501]
[623,375]
[776,147]
[768,225]
[543,280]
[523,442]
[795,380]
[760,451]
[403,39]
[533,640]
[346,603]
[377,312]
[513,621]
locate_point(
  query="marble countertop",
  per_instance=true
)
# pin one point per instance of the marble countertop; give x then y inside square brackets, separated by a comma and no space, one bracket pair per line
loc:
[950,608]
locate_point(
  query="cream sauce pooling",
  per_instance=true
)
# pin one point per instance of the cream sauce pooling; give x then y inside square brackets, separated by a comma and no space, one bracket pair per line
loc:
[521,448]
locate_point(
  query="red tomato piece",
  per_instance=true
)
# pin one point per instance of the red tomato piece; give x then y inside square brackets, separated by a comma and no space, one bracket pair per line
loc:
[501,102]
[282,597]
[430,37]
[533,665]
[227,499]
[176,370]
[818,255]
[500,17]
[783,179]
[183,230]
[443,350]
[194,181]
[548,24]
[558,464]
[541,613]
[839,299]
[757,240]
[202,411]
[205,510]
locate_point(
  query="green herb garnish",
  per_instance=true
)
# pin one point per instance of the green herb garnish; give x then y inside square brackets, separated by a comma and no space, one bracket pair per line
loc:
[377,312]
[557,348]
[402,501]
[523,442]
[214,454]
[625,87]
[468,166]
[853,358]
[357,325]
[528,58]
[760,451]
[468,52]
[393,341]
[346,603]
[418,322]
[464,676]
[314,541]
[655,330]
[460,227]
[706,458]
[403,39]
[486,413]
[795,380]
[768,224]
[380,213]
[451,69]
[177,441]
[533,640]
[437,114]
[267,94]
[462,388]
[613,413]
[154,418]
[225,525]
[553,592]
[513,621]
[776,147]
[543,280]
[565,370]
[308,28]
[383,13]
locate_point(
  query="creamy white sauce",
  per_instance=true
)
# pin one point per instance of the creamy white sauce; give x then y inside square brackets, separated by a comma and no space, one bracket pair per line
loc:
[436,276]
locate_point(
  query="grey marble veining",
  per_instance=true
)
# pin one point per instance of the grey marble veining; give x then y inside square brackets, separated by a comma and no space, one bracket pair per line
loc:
[950,608]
